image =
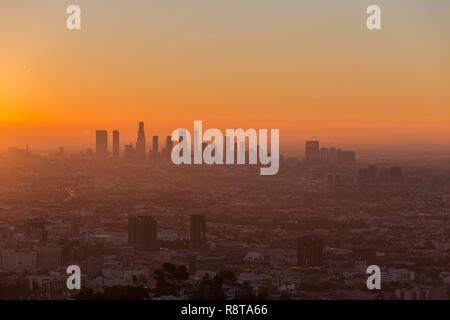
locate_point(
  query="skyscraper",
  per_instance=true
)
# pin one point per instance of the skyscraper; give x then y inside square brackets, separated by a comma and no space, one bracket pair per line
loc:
[116,144]
[142,233]
[168,147]
[324,155]
[198,229]
[101,143]
[140,144]
[346,157]
[310,251]
[155,145]
[312,153]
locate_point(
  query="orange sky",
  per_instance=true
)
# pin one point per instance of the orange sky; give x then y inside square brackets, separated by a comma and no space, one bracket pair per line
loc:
[309,69]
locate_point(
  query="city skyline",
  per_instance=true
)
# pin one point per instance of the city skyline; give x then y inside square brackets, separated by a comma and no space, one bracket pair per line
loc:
[115,145]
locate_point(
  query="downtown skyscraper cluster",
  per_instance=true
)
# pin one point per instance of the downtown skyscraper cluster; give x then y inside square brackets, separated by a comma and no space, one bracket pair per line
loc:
[136,151]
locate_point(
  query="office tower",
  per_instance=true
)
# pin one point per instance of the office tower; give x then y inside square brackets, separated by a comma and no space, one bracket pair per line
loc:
[129,151]
[168,147]
[332,155]
[396,175]
[312,153]
[142,233]
[323,155]
[198,226]
[116,144]
[61,151]
[169,143]
[310,251]
[140,144]
[101,143]
[155,145]
[346,157]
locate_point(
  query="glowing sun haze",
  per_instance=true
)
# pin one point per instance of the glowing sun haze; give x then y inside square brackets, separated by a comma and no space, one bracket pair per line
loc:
[309,68]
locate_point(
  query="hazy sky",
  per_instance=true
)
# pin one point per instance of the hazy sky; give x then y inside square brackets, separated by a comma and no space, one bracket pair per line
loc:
[309,68]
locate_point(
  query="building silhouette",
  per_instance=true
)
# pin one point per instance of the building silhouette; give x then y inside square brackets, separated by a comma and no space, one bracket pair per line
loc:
[346,157]
[116,144]
[312,153]
[155,146]
[324,155]
[168,147]
[101,143]
[198,230]
[142,233]
[310,251]
[140,144]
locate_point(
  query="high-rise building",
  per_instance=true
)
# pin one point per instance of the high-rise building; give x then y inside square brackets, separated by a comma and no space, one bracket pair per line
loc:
[310,251]
[116,144]
[168,147]
[140,144]
[142,233]
[101,143]
[346,157]
[324,155]
[198,228]
[155,145]
[312,153]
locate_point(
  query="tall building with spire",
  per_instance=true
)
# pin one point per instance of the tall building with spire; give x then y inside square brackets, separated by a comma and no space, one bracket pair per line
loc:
[140,144]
